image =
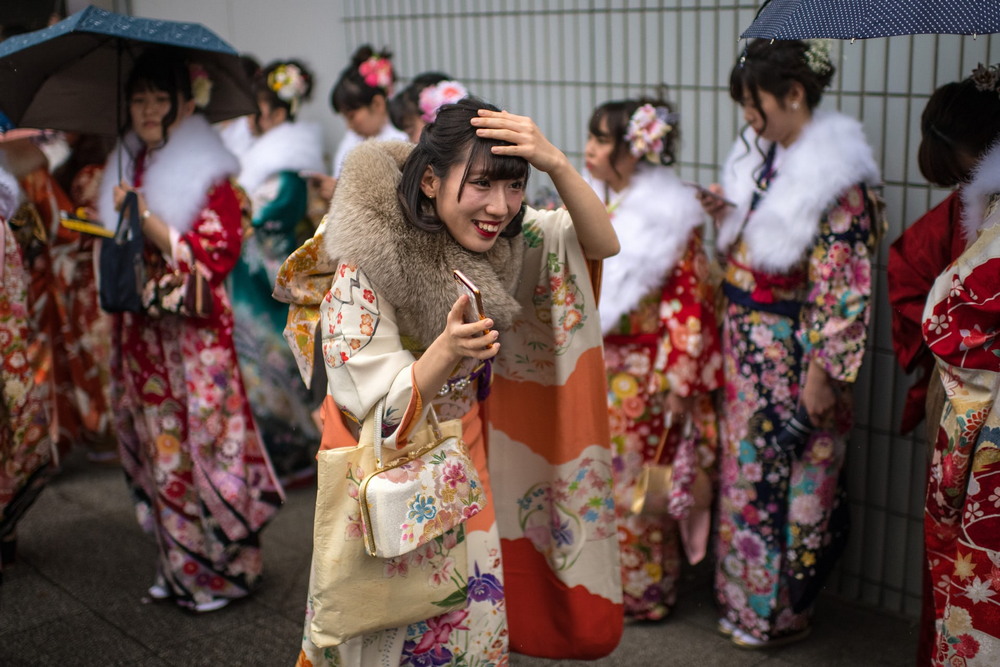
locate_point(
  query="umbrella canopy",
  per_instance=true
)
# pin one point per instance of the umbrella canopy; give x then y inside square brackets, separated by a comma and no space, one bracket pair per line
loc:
[69,76]
[864,19]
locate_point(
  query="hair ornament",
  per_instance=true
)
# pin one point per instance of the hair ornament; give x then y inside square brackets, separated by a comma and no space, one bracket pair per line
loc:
[986,78]
[434,97]
[818,56]
[647,127]
[201,85]
[289,84]
[377,72]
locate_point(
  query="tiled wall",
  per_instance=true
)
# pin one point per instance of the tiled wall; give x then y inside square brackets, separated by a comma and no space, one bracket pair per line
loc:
[556,60]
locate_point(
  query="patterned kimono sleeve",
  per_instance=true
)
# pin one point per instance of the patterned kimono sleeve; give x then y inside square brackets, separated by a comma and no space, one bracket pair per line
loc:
[833,324]
[215,239]
[689,358]
[365,358]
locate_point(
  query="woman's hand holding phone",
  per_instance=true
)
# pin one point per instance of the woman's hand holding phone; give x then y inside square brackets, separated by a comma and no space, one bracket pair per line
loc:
[711,199]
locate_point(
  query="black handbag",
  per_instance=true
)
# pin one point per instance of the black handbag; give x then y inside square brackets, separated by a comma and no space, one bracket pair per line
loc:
[123,270]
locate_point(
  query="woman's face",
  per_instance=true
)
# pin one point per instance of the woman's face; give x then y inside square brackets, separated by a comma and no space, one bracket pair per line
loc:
[597,157]
[414,126]
[785,117]
[485,209]
[368,121]
[268,117]
[148,108]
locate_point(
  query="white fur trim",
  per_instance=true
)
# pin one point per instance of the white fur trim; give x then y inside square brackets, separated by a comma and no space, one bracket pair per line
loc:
[291,146]
[976,195]
[654,221]
[829,156]
[178,176]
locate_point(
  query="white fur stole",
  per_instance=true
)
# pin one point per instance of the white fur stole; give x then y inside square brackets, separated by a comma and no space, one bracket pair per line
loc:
[654,219]
[291,146]
[829,156]
[178,176]
[976,195]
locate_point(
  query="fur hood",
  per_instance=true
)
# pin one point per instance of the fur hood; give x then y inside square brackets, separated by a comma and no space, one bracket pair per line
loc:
[653,217]
[978,194]
[409,267]
[830,156]
[178,176]
[291,146]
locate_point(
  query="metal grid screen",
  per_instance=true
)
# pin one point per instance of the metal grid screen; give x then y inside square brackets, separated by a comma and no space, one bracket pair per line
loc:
[556,60]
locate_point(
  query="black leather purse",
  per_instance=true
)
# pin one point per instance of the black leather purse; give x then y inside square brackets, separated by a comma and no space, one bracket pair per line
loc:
[123,271]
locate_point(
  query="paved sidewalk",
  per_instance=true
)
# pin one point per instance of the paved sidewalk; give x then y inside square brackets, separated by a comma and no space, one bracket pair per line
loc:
[75,599]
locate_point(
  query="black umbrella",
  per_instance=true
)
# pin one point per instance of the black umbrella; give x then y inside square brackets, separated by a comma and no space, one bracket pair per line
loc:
[69,76]
[864,19]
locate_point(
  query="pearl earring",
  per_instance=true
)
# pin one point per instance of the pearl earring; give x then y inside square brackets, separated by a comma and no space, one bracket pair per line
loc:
[795,106]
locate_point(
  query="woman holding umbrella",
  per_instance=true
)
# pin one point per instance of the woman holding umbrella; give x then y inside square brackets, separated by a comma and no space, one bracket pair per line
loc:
[200,477]
[797,246]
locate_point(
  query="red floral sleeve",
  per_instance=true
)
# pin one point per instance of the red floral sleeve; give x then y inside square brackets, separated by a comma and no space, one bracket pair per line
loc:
[690,357]
[214,241]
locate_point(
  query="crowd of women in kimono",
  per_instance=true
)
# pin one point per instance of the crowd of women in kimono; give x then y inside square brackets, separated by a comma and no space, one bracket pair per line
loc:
[734,364]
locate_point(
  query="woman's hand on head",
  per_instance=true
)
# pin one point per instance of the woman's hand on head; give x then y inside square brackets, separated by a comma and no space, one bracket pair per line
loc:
[528,141]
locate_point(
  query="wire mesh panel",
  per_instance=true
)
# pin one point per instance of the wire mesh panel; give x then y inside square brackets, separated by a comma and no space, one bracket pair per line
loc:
[555,60]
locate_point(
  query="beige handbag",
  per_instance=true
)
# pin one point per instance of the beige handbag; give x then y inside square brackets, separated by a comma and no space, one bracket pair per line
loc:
[352,593]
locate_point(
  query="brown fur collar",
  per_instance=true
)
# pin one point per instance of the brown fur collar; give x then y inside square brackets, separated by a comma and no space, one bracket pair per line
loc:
[409,267]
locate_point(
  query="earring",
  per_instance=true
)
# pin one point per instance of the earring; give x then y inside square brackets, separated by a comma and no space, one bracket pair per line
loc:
[795,106]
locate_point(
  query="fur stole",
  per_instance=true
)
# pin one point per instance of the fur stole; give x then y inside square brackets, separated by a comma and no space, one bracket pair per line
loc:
[411,268]
[829,156]
[653,217]
[292,146]
[978,194]
[178,176]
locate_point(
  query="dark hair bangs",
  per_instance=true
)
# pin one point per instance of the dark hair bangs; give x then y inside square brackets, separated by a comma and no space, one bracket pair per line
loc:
[494,167]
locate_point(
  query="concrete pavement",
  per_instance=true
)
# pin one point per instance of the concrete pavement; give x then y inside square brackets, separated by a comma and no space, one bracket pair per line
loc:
[75,598]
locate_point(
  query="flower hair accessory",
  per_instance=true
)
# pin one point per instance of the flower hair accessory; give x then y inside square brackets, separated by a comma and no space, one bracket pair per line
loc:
[818,56]
[201,85]
[986,78]
[647,127]
[434,97]
[289,84]
[377,72]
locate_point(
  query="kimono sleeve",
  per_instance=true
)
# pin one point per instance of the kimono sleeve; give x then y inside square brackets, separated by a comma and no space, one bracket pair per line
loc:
[215,239]
[285,203]
[364,355]
[833,325]
[689,358]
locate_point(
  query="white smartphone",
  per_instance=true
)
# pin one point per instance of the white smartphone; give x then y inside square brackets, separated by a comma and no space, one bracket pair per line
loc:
[703,190]
[474,310]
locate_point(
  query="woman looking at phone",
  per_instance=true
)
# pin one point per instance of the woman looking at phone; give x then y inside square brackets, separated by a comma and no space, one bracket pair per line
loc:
[797,251]
[393,326]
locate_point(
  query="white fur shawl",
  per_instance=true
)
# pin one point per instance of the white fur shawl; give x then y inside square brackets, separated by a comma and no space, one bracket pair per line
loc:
[291,146]
[976,195]
[829,156]
[178,176]
[654,219]
[411,268]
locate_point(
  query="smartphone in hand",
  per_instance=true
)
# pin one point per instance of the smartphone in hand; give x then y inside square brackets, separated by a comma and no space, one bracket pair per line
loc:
[474,309]
[702,190]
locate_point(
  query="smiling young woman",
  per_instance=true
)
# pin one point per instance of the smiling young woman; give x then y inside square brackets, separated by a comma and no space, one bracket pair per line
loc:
[392,328]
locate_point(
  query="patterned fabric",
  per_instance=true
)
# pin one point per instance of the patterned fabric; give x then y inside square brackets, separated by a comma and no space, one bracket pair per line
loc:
[282,404]
[73,329]
[668,343]
[196,467]
[962,513]
[563,526]
[25,446]
[782,521]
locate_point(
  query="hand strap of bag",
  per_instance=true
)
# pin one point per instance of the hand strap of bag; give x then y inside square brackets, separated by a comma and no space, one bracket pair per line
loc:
[377,434]
[128,219]
[668,424]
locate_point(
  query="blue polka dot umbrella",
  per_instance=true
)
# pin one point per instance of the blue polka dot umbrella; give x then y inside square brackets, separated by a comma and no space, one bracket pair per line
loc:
[69,76]
[864,19]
